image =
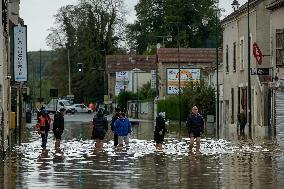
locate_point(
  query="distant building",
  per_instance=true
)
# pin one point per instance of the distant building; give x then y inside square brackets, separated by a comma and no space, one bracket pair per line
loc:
[194,62]
[128,72]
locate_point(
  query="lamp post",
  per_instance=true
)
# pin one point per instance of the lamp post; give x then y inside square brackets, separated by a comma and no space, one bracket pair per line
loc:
[179,87]
[68,61]
[69,72]
[168,38]
[40,96]
[235,5]
[217,74]
[249,79]
[179,94]
[205,22]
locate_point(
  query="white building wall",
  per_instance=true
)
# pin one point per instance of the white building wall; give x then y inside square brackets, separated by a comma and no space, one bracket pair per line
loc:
[236,30]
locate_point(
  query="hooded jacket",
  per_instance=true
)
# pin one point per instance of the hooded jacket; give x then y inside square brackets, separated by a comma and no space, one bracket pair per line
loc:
[122,127]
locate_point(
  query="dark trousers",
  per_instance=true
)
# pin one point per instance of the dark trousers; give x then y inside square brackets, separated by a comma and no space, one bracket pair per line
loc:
[242,129]
[44,139]
[115,139]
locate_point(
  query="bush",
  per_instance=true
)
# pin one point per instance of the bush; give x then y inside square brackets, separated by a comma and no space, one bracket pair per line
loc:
[199,95]
[123,97]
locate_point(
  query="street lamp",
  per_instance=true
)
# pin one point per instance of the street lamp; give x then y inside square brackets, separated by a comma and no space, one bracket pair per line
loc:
[168,38]
[217,72]
[178,61]
[249,79]
[205,22]
[235,6]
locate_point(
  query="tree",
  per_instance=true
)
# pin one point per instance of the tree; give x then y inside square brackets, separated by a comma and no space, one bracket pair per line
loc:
[199,94]
[178,18]
[89,30]
[146,92]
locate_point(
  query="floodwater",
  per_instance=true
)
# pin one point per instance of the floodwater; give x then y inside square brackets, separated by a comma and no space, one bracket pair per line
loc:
[240,163]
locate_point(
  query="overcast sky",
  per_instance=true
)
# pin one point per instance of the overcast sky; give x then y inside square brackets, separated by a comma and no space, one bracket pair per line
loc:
[38,16]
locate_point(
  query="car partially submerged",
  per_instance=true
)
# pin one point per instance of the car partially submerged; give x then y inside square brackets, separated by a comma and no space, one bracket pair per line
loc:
[82,108]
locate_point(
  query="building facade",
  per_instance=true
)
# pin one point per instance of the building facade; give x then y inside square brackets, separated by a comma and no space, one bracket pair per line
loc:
[236,73]
[203,59]
[276,8]
[10,17]
[136,67]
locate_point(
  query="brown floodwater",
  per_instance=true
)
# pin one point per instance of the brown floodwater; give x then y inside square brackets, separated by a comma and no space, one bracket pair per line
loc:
[223,163]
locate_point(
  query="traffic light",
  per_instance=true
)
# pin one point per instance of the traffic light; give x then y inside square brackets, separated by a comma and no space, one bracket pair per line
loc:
[80,67]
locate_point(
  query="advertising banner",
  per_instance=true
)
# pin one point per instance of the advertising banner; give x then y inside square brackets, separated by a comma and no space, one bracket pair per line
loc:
[153,79]
[123,82]
[186,76]
[20,53]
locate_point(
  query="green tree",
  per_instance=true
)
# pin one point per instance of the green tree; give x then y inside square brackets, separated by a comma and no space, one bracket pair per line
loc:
[179,18]
[89,30]
[146,92]
[123,97]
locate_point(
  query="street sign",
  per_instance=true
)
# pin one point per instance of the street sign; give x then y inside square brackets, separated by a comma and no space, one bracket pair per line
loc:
[257,53]
[153,79]
[259,71]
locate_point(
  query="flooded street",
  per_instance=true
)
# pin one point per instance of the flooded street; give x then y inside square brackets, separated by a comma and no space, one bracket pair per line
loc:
[240,163]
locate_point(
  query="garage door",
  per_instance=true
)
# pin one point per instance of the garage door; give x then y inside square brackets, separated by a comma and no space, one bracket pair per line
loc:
[279,113]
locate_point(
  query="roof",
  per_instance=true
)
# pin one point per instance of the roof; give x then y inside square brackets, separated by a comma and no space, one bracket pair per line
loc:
[188,55]
[241,10]
[275,4]
[116,63]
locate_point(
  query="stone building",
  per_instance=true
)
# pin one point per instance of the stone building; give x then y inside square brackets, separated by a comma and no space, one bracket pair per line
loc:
[276,9]
[236,73]
[137,66]
[203,59]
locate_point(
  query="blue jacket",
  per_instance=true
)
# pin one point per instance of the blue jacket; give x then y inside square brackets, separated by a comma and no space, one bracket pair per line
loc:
[122,127]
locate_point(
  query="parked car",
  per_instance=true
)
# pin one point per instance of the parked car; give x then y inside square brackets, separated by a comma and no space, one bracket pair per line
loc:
[82,108]
[56,104]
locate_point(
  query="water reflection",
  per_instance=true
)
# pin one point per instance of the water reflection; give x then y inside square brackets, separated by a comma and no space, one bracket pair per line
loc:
[241,163]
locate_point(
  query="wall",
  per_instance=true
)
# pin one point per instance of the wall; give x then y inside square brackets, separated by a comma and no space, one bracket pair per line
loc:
[236,30]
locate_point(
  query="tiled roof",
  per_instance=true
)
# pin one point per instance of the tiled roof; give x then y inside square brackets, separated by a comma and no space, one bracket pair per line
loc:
[188,55]
[116,63]
[241,10]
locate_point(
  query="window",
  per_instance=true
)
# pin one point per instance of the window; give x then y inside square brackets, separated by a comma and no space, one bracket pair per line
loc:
[233,105]
[227,58]
[242,53]
[280,47]
[234,56]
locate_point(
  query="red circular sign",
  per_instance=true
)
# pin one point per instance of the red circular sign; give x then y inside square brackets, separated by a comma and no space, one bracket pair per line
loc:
[257,53]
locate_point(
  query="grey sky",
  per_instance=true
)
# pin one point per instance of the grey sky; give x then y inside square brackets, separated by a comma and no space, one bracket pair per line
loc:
[38,16]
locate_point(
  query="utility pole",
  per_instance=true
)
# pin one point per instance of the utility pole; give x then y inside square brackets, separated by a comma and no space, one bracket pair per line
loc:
[69,72]
[217,73]
[249,76]
[179,93]
[40,97]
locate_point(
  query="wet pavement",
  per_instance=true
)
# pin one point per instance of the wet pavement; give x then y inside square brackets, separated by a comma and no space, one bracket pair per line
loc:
[239,163]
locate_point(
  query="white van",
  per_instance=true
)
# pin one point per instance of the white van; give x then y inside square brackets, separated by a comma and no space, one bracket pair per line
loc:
[56,104]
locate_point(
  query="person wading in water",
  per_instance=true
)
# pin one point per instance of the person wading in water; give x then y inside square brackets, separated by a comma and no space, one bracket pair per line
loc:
[195,127]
